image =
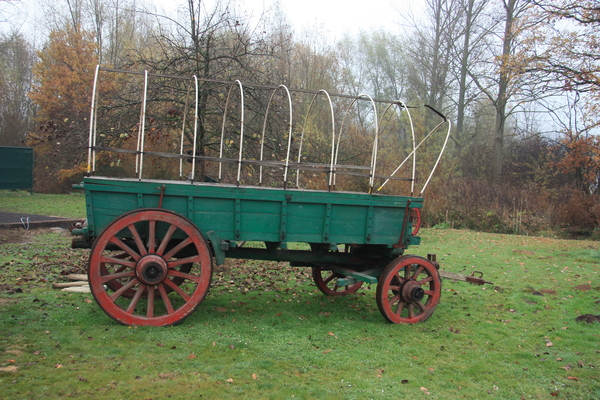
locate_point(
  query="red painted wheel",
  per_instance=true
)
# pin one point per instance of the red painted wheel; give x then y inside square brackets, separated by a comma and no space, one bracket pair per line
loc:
[326,281]
[415,220]
[409,290]
[150,267]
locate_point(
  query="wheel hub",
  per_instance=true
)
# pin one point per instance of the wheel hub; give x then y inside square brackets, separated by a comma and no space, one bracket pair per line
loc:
[151,269]
[412,291]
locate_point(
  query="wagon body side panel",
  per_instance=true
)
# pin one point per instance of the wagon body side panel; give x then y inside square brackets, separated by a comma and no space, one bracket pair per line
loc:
[258,214]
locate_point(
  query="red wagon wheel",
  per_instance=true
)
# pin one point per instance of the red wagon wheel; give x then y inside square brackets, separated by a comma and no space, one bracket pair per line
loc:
[415,220]
[326,281]
[159,275]
[409,290]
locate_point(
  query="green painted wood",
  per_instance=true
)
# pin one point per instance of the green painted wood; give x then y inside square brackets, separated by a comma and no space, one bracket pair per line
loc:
[253,213]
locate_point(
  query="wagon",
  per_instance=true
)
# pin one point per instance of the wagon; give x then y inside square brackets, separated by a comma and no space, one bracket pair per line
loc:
[154,241]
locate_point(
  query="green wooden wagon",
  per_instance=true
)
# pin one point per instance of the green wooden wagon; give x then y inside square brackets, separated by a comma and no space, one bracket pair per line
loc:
[154,242]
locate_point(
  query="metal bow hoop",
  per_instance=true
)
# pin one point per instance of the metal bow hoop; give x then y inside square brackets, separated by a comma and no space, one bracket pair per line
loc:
[264,129]
[312,102]
[239,84]
[331,168]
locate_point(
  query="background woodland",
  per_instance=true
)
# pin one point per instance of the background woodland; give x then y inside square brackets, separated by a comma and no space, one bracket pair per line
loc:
[519,79]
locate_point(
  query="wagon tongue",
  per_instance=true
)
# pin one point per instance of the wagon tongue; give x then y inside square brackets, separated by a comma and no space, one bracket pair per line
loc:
[475,280]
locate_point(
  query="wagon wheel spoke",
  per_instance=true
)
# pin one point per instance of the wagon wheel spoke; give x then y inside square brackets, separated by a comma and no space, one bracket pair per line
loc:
[400,308]
[329,278]
[132,253]
[150,307]
[408,290]
[178,248]
[135,299]
[417,272]
[123,289]
[151,236]
[144,283]
[123,246]
[187,260]
[327,282]
[165,299]
[118,261]
[396,284]
[184,275]
[166,239]
[411,311]
[138,240]
[425,280]
[420,305]
[176,288]
[117,275]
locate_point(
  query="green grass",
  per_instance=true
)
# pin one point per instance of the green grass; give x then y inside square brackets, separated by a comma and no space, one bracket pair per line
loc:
[265,331]
[55,205]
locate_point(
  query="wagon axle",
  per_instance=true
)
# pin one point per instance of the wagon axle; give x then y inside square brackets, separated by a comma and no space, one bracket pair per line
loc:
[412,291]
[151,269]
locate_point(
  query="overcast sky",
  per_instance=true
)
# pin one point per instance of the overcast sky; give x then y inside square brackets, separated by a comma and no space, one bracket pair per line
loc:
[334,17]
[339,16]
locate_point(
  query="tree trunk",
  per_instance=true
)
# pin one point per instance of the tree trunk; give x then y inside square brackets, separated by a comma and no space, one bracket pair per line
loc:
[503,80]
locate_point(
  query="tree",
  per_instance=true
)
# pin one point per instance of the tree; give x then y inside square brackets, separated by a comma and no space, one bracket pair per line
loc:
[569,54]
[430,52]
[16,61]
[466,51]
[212,44]
[62,88]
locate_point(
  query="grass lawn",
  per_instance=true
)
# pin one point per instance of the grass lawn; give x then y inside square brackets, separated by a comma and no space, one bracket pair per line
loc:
[52,205]
[265,331]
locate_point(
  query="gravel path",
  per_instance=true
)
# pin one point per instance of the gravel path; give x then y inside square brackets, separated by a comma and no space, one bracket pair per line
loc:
[15,220]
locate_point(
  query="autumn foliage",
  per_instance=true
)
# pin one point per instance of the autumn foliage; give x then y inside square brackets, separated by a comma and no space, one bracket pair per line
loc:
[62,92]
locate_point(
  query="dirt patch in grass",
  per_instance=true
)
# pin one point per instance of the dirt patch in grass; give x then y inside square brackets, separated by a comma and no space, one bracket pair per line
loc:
[8,289]
[524,252]
[6,302]
[20,235]
[589,318]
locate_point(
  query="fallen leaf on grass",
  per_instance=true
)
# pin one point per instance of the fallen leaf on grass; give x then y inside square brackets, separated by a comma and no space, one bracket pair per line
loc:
[549,343]
[82,379]
[332,334]
[10,368]
[58,366]
[425,390]
[229,380]
[191,356]
[573,378]
[254,376]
